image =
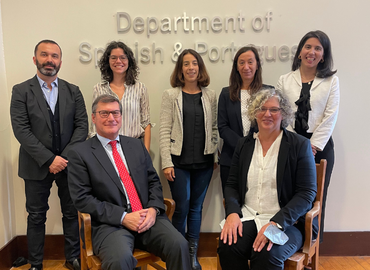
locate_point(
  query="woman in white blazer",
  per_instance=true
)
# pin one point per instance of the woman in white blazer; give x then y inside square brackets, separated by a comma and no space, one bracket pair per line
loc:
[313,90]
[188,143]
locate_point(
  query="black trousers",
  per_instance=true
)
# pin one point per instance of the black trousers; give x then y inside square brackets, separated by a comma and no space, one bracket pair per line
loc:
[162,239]
[37,195]
[328,154]
[236,256]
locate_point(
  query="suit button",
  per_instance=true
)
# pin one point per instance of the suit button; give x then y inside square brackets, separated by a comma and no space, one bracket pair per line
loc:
[50,136]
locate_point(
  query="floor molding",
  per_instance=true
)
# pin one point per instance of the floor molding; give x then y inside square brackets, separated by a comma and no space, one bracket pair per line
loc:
[335,244]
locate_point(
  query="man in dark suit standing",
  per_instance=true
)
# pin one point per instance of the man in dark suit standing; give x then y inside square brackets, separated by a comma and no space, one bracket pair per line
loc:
[48,117]
[112,178]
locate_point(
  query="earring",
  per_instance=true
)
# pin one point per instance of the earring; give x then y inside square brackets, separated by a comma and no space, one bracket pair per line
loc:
[322,60]
[299,57]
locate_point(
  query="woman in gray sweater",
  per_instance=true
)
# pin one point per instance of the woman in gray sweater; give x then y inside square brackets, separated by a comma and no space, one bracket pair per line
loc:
[188,143]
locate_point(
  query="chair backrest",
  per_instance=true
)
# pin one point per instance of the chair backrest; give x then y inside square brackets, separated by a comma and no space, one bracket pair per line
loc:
[320,174]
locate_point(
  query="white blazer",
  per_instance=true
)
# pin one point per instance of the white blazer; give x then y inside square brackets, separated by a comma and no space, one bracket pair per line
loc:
[324,102]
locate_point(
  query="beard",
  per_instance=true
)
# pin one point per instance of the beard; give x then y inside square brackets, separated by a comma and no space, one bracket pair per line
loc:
[47,72]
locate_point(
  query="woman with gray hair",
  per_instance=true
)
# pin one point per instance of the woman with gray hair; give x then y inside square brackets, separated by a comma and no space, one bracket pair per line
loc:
[271,186]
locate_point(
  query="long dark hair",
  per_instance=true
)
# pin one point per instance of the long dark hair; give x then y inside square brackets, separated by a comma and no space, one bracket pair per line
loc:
[106,71]
[236,82]
[177,78]
[324,69]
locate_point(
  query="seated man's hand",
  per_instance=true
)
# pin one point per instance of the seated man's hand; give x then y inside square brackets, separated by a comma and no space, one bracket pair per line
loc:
[148,221]
[232,227]
[132,221]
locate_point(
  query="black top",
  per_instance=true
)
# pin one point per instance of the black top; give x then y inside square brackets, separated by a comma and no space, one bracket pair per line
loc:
[304,106]
[194,136]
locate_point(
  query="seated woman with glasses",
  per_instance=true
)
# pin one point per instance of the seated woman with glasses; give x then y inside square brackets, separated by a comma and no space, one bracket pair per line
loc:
[119,73]
[270,188]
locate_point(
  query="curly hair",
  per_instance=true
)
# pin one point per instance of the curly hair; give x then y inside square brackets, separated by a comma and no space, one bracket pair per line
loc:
[236,82]
[324,69]
[132,70]
[177,78]
[258,99]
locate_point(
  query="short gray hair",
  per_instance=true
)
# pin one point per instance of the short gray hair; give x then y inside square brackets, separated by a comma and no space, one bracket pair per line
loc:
[105,99]
[258,99]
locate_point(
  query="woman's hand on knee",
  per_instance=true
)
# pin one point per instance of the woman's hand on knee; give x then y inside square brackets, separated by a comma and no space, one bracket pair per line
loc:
[261,240]
[232,227]
[169,173]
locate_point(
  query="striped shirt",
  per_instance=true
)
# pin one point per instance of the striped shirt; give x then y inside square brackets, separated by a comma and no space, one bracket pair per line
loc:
[135,108]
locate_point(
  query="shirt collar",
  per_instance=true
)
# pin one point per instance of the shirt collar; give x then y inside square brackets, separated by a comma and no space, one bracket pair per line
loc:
[104,141]
[41,82]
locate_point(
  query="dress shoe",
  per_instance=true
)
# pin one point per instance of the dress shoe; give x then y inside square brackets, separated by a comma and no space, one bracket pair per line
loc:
[36,267]
[73,264]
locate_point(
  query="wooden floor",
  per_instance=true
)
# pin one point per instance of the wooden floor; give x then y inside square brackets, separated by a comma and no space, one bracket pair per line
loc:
[326,263]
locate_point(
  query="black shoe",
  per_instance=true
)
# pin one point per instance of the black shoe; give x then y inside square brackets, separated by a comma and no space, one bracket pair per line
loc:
[36,267]
[193,250]
[73,264]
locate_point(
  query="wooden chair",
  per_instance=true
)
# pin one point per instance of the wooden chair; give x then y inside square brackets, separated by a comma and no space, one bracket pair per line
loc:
[90,261]
[309,254]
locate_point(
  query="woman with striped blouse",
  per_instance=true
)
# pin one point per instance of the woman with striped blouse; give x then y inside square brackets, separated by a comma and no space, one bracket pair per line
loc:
[119,78]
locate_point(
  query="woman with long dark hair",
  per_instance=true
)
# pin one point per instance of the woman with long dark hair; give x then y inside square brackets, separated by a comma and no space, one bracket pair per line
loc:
[188,143]
[313,91]
[119,73]
[233,123]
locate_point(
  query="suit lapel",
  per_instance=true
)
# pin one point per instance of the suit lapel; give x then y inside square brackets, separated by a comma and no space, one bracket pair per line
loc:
[316,82]
[245,162]
[297,77]
[281,163]
[37,91]
[62,90]
[100,154]
[179,106]
[238,112]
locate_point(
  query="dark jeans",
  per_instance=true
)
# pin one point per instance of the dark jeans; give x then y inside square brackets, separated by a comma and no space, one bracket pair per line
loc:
[189,190]
[328,154]
[37,195]
[236,256]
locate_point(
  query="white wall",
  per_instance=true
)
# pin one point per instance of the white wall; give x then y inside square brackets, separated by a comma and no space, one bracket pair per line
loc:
[72,22]
[7,206]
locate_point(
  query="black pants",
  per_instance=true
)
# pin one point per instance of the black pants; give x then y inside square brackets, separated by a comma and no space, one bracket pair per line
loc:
[328,154]
[236,256]
[37,195]
[162,239]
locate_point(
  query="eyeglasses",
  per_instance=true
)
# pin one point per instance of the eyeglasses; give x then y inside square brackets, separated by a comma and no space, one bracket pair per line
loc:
[105,114]
[114,58]
[263,110]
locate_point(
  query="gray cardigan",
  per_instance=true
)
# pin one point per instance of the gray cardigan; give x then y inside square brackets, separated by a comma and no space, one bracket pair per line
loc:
[171,124]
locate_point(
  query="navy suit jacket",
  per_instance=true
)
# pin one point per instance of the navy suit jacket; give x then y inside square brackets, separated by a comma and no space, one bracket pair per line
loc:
[230,126]
[296,179]
[96,188]
[32,127]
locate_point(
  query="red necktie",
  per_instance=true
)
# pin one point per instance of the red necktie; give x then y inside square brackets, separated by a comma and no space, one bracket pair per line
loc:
[126,179]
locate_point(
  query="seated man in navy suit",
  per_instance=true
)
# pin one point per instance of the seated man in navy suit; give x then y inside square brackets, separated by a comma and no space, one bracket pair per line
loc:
[112,178]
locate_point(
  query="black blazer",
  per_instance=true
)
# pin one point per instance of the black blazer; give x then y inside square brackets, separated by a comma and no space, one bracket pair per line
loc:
[230,126]
[96,188]
[296,179]
[32,127]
